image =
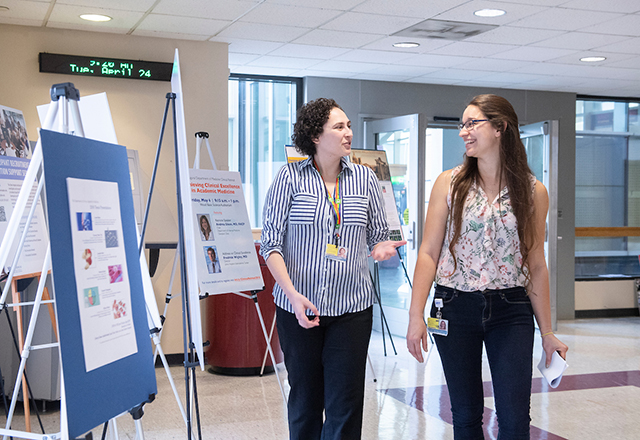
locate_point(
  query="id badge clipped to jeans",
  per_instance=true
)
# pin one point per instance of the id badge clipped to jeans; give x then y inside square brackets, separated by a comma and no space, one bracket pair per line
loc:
[437,325]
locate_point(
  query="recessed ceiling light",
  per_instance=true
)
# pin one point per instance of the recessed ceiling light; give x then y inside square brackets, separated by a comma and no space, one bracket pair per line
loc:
[489,13]
[406,44]
[4,8]
[95,17]
[592,59]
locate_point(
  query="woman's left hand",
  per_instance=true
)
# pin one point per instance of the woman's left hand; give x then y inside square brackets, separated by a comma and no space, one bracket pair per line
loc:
[550,344]
[386,249]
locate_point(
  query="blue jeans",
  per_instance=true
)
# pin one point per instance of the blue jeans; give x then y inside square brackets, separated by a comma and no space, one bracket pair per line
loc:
[503,321]
[326,370]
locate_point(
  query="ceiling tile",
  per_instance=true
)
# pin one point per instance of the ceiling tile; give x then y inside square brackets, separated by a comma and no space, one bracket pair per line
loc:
[125,5]
[514,12]
[579,41]
[323,37]
[257,70]
[627,25]
[494,65]
[373,56]
[341,5]
[462,48]
[307,51]
[266,32]
[408,8]
[630,46]
[62,15]
[284,62]
[576,56]
[380,77]
[514,35]
[457,74]
[24,11]
[345,66]
[369,23]
[407,71]
[238,45]
[197,26]
[623,6]
[565,19]
[629,63]
[426,44]
[239,59]
[530,53]
[269,13]
[436,61]
[165,34]
[219,10]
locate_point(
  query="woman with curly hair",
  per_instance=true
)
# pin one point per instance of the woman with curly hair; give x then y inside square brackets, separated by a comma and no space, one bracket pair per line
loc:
[324,297]
[484,246]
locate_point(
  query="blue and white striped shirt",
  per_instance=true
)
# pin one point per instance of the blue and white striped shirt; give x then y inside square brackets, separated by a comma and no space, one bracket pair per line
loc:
[299,222]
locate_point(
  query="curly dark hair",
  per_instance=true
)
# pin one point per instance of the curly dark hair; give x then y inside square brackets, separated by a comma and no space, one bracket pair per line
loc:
[311,118]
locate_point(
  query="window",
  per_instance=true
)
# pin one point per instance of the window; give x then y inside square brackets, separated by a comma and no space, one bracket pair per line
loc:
[607,186]
[262,112]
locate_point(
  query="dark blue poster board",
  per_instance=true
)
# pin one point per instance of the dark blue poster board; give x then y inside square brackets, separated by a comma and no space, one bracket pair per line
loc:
[103,393]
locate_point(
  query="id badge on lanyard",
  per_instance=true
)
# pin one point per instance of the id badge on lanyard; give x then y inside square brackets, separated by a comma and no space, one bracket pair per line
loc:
[437,325]
[334,251]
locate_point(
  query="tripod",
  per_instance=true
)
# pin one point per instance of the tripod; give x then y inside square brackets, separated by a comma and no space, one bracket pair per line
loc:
[64,98]
[188,343]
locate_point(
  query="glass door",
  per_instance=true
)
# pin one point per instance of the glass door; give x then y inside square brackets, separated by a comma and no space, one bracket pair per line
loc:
[541,142]
[403,140]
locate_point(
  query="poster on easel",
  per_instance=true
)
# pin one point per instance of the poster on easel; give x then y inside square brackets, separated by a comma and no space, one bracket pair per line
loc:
[227,261]
[100,306]
[15,154]
[102,279]
[377,161]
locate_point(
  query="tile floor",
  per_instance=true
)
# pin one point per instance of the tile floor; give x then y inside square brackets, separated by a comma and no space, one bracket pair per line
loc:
[599,397]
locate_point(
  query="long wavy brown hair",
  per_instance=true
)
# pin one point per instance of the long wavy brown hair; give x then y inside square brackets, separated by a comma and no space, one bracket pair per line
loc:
[514,169]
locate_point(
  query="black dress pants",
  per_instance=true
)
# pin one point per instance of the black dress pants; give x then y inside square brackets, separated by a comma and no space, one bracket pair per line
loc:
[326,369]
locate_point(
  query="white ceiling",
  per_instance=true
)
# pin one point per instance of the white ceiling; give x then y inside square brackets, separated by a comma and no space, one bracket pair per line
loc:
[537,44]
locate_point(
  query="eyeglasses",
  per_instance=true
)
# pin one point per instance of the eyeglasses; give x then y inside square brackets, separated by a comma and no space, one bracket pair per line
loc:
[469,125]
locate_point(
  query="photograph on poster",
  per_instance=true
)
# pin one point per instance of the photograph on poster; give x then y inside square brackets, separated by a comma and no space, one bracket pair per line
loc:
[13,134]
[84,221]
[86,256]
[119,309]
[204,222]
[374,159]
[110,238]
[115,273]
[211,257]
[91,297]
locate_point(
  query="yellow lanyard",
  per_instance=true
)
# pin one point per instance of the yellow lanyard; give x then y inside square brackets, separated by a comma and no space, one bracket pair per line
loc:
[335,200]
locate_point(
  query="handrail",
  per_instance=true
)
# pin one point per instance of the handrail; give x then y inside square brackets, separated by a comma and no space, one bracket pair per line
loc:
[621,231]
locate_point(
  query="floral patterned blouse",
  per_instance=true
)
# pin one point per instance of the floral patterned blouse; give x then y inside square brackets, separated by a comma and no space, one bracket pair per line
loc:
[488,250]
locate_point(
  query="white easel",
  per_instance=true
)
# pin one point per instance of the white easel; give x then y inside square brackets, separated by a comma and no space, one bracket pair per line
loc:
[64,100]
[64,103]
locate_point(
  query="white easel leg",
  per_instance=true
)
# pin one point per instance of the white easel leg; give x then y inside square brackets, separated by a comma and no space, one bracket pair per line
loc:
[273,358]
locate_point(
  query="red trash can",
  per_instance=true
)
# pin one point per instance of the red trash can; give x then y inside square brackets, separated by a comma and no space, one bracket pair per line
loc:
[237,343]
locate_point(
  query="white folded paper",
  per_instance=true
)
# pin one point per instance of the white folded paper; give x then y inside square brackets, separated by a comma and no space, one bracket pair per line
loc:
[553,374]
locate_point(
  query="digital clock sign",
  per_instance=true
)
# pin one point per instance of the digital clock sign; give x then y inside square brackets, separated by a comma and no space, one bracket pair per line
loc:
[104,67]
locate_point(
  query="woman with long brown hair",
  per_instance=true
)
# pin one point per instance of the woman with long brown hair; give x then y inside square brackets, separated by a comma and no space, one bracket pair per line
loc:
[483,246]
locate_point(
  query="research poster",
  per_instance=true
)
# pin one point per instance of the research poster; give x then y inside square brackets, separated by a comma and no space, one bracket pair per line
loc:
[103,290]
[14,161]
[226,255]
[376,160]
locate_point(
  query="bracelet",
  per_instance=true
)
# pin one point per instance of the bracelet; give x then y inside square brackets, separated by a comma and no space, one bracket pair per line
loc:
[545,334]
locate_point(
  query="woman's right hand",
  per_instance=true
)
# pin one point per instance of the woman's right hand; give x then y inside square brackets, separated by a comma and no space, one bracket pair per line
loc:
[417,337]
[301,304]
